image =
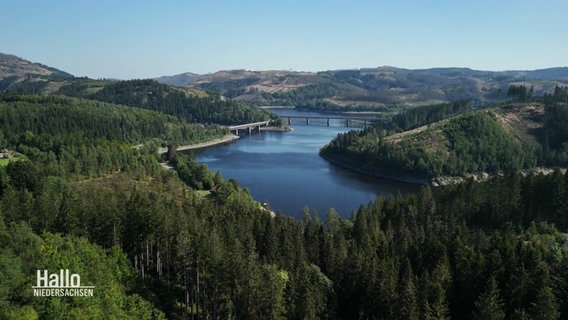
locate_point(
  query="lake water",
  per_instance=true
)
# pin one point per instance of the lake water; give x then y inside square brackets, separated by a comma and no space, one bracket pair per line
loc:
[284,168]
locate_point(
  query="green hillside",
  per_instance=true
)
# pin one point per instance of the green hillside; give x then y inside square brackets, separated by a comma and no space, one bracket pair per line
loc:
[20,76]
[506,138]
[63,116]
[189,104]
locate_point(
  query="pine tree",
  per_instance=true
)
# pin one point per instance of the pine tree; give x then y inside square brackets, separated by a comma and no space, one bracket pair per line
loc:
[489,305]
[438,310]
[407,300]
[545,307]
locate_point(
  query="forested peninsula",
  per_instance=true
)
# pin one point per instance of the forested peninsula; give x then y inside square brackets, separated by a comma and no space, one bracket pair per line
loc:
[453,142]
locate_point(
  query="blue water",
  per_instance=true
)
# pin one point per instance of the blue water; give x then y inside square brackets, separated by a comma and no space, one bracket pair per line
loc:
[284,168]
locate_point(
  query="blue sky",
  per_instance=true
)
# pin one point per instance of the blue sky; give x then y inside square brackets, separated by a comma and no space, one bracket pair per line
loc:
[140,39]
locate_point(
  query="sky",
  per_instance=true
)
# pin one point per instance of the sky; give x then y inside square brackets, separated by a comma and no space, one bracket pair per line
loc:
[132,39]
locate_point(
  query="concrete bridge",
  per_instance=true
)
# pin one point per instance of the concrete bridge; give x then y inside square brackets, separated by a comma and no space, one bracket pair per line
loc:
[348,120]
[249,126]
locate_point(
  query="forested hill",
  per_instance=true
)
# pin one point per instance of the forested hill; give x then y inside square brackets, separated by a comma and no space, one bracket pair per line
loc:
[53,119]
[189,104]
[369,88]
[194,105]
[510,137]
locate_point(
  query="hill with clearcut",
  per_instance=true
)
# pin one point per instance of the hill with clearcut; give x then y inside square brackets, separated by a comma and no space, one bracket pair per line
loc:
[12,66]
[370,88]
[462,142]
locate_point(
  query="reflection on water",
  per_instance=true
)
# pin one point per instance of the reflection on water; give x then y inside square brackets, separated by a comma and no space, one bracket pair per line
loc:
[285,169]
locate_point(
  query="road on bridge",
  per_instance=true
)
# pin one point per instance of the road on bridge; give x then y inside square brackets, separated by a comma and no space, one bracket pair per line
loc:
[249,125]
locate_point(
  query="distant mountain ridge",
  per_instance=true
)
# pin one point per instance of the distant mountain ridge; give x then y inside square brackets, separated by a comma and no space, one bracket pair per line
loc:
[381,88]
[179,80]
[369,87]
[11,65]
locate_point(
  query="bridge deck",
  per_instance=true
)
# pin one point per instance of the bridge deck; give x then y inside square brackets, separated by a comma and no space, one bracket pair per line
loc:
[249,125]
[331,117]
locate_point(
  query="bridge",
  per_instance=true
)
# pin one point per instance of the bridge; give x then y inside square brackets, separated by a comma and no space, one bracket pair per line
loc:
[348,120]
[249,126]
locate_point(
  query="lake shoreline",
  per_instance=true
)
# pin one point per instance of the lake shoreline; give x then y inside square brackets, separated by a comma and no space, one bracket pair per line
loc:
[436,182]
[395,178]
[285,170]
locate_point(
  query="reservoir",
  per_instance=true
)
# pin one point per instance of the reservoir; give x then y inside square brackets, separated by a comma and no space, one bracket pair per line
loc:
[284,169]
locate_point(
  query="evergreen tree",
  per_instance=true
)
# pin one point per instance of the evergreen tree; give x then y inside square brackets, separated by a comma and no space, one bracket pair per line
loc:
[545,307]
[407,297]
[489,306]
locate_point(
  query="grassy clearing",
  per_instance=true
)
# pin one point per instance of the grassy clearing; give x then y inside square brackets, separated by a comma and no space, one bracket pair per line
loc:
[12,158]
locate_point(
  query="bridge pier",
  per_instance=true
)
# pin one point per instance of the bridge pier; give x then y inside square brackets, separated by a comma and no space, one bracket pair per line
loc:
[289,121]
[328,122]
[251,127]
[307,121]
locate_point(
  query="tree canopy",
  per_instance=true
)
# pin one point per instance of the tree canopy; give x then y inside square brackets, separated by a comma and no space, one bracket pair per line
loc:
[186,243]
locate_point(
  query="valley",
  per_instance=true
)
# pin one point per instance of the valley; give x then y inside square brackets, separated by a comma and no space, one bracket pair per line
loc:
[161,236]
